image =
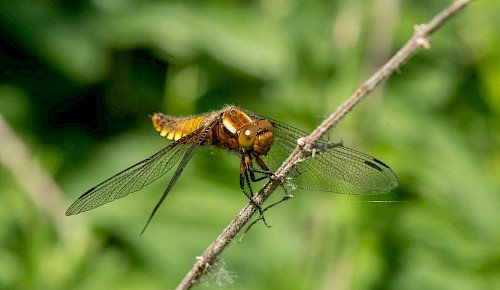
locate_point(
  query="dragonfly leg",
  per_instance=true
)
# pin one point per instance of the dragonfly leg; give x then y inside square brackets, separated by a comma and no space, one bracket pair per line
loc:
[285,198]
[244,177]
[328,145]
[264,170]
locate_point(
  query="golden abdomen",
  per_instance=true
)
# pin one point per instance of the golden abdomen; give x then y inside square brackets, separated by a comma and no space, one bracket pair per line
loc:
[176,128]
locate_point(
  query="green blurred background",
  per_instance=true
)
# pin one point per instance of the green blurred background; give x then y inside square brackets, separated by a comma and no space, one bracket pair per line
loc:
[79,80]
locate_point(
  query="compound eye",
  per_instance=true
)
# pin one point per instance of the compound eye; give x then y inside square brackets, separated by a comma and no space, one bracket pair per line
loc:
[265,125]
[247,136]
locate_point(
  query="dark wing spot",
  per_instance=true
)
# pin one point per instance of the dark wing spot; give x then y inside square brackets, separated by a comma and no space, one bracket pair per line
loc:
[373,165]
[380,162]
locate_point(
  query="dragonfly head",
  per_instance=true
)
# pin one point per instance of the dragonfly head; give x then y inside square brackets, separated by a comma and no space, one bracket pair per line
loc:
[252,135]
[257,137]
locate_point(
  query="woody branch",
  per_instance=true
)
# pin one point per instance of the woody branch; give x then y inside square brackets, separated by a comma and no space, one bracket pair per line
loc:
[420,39]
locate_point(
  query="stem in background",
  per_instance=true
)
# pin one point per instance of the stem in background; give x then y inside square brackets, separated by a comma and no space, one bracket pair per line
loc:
[30,175]
[419,39]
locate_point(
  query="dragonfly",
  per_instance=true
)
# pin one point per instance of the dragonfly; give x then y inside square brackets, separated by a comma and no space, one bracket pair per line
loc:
[263,145]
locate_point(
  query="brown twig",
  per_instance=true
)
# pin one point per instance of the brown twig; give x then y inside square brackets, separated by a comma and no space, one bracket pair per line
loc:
[419,39]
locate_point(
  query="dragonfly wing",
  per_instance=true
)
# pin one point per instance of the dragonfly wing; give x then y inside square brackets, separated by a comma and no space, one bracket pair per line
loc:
[333,168]
[196,141]
[131,179]
[344,170]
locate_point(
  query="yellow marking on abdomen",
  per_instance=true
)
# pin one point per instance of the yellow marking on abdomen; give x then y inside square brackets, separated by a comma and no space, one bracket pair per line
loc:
[173,128]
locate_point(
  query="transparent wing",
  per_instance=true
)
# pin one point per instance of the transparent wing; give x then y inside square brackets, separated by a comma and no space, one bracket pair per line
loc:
[333,168]
[133,178]
[196,141]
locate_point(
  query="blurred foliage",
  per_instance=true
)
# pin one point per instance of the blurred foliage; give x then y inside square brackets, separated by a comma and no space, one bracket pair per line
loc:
[78,80]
